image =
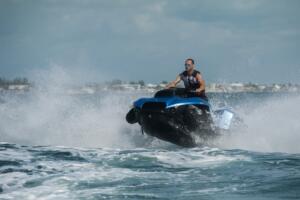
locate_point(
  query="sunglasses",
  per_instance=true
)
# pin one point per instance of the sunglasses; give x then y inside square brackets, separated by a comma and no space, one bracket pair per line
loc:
[187,65]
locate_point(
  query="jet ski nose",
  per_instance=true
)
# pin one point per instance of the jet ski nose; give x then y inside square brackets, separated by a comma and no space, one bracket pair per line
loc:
[132,116]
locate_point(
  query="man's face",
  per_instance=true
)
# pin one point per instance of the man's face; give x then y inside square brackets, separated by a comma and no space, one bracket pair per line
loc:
[188,65]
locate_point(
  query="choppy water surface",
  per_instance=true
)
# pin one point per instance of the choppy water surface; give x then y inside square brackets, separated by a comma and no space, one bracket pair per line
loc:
[146,173]
[58,146]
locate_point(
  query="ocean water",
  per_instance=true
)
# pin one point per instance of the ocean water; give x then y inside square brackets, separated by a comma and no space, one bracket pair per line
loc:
[60,146]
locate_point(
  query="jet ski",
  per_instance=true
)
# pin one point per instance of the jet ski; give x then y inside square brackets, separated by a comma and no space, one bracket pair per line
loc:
[179,116]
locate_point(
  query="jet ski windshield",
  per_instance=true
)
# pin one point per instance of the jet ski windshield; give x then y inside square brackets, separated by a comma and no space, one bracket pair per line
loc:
[178,92]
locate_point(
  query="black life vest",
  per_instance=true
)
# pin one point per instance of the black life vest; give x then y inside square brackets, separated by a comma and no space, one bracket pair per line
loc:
[190,81]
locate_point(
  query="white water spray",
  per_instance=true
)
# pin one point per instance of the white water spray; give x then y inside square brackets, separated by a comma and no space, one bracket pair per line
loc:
[273,126]
[50,116]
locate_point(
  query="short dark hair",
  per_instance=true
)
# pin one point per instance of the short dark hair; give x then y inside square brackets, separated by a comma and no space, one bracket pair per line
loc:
[190,59]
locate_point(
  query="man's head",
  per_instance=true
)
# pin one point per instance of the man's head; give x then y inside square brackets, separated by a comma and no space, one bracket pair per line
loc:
[189,64]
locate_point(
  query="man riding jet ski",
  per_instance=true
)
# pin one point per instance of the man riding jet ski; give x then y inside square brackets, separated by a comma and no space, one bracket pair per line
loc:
[180,115]
[191,78]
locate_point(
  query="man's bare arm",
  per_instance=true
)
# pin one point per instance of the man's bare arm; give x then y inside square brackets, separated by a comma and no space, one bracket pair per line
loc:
[202,83]
[173,83]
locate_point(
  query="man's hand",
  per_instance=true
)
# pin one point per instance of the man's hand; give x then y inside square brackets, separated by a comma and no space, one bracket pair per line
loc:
[199,91]
[173,83]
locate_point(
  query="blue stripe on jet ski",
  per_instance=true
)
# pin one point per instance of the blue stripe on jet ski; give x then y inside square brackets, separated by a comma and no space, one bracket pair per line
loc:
[173,101]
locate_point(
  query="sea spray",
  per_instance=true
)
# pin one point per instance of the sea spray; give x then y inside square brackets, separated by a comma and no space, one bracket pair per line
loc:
[270,125]
[48,115]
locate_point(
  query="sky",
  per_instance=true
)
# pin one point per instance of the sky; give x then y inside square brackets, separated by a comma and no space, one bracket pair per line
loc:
[97,40]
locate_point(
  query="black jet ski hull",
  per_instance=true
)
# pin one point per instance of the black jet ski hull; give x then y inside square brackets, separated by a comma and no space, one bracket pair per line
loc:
[160,126]
[179,126]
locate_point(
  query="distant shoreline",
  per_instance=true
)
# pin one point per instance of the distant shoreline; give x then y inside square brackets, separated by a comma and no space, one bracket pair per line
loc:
[210,88]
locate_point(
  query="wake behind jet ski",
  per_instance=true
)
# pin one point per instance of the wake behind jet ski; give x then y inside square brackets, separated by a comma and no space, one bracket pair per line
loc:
[178,116]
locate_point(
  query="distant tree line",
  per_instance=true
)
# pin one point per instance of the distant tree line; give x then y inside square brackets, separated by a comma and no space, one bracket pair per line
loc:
[17,81]
[119,82]
[139,82]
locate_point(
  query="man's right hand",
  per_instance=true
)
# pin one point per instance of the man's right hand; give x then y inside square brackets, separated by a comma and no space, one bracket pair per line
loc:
[173,83]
